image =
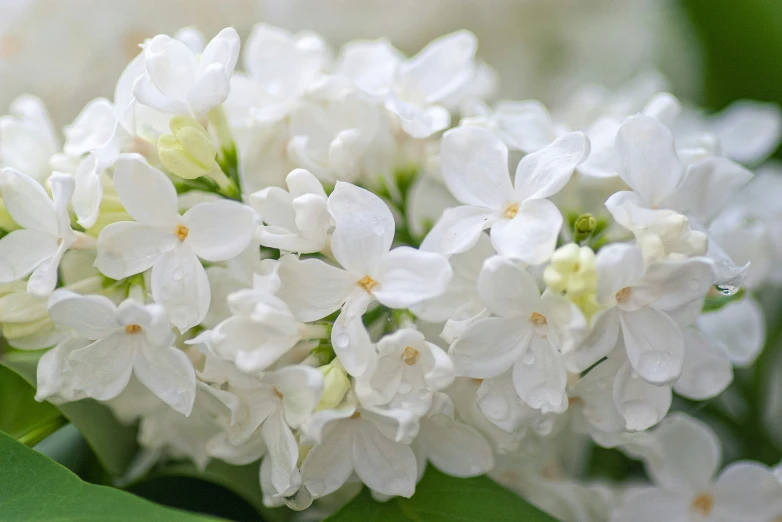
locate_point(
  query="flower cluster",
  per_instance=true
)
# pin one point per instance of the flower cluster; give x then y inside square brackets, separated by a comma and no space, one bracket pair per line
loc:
[315,262]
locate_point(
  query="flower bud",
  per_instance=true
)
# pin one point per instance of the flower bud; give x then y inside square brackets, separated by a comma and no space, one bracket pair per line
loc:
[335,385]
[572,273]
[189,152]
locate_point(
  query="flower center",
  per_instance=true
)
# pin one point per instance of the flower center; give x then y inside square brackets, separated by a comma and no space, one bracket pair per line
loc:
[181,232]
[538,319]
[132,328]
[575,401]
[410,355]
[624,294]
[367,283]
[356,415]
[277,392]
[511,211]
[703,504]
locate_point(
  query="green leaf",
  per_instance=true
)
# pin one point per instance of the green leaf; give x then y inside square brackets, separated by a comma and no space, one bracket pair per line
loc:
[242,480]
[34,487]
[21,416]
[442,498]
[113,443]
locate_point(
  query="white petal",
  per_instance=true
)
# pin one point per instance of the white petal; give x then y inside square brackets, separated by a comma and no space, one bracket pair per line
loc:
[490,346]
[507,289]
[706,370]
[440,68]
[22,251]
[456,448]
[329,463]
[707,187]
[407,276]
[652,504]
[385,466]
[92,316]
[169,374]
[179,283]
[92,128]
[283,452]
[437,366]
[312,288]
[595,393]
[209,90]
[350,338]
[679,283]
[54,378]
[218,230]
[458,229]
[654,344]
[739,328]
[128,248]
[531,236]
[498,402]
[364,228]
[474,163]
[600,342]
[102,369]
[641,404]
[43,280]
[88,192]
[748,131]
[301,387]
[145,92]
[170,65]
[540,378]
[618,266]
[27,202]
[690,454]
[748,490]
[544,173]
[146,193]
[647,158]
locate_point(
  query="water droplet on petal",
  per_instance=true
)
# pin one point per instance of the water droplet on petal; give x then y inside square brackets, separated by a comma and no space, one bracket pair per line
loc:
[659,367]
[378,227]
[528,358]
[341,341]
[178,274]
[405,387]
[727,289]
[544,426]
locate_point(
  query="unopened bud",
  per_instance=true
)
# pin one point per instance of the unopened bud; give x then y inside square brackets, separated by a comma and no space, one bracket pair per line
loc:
[189,152]
[583,227]
[335,384]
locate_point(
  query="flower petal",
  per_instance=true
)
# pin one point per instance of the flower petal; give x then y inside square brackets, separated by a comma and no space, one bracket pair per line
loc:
[407,276]
[179,283]
[739,328]
[22,251]
[92,316]
[540,377]
[219,230]
[283,453]
[647,158]
[364,228]
[507,289]
[329,463]
[169,374]
[474,163]
[458,229]
[350,338]
[385,466]
[641,404]
[127,248]
[490,346]
[146,193]
[103,369]
[531,236]
[312,288]
[747,490]
[654,344]
[706,370]
[28,203]
[544,173]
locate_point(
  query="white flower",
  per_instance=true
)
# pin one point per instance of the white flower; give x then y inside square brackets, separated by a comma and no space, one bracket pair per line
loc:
[297,220]
[639,302]
[169,243]
[132,339]
[54,376]
[451,446]
[666,195]
[526,126]
[361,243]
[685,486]
[37,249]
[176,81]
[408,369]
[425,81]
[373,443]
[331,138]
[530,334]
[371,66]
[523,224]
[27,138]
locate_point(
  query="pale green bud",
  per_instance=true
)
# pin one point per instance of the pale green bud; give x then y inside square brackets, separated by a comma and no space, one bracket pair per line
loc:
[335,385]
[189,152]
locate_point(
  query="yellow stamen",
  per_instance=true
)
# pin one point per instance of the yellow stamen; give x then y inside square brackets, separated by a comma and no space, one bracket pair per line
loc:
[703,504]
[132,328]
[511,211]
[277,392]
[356,415]
[181,232]
[367,283]
[624,294]
[575,401]
[410,355]
[538,319]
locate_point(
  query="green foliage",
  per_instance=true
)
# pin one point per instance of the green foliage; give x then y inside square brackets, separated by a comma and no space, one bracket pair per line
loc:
[21,416]
[441,498]
[114,444]
[34,487]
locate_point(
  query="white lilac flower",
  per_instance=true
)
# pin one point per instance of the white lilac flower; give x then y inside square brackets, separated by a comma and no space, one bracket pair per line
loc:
[524,225]
[37,248]
[27,138]
[176,81]
[371,270]
[168,243]
[129,339]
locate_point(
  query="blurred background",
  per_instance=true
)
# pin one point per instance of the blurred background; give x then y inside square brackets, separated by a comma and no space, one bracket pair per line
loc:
[711,51]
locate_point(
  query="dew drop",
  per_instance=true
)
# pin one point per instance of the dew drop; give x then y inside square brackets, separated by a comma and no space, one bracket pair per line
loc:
[544,426]
[528,358]
[659,367]
[341,341]
[727,289]
[405,387]
[378,227]
[178,274]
